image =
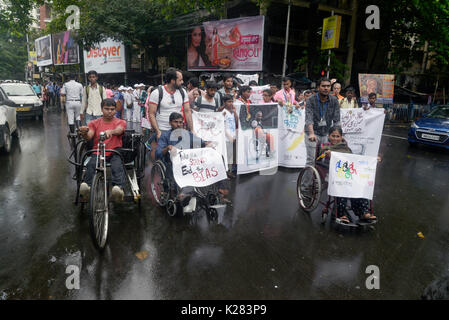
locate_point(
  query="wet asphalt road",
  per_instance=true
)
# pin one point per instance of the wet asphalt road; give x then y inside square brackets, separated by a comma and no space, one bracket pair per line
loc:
[264,247]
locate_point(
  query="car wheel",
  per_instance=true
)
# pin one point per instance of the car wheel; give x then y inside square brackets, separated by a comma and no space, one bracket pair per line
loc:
[412,144]
[6,139]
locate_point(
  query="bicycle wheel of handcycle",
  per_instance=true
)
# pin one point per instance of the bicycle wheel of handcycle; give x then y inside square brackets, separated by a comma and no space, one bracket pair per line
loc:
[99,211]
[157,183]
[308,188]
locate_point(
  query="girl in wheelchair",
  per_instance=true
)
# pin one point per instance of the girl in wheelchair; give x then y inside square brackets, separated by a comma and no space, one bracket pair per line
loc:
[361,207]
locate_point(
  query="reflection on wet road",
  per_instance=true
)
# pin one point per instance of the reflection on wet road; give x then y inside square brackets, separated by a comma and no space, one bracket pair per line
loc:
[264,246]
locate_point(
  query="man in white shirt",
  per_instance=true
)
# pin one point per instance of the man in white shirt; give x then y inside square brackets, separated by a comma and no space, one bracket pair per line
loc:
[174,99]
[93,95]
[73,91]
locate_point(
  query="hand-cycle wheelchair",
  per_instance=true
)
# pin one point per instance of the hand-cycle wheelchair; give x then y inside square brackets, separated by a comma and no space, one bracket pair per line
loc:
[165,192]
[312,181]
[132,156]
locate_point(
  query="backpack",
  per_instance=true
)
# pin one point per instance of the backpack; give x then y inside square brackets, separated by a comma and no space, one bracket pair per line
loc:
[100,89]
[161,95]
[217,104]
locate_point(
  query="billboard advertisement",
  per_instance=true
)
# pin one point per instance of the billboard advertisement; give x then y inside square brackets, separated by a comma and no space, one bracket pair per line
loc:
[228,45]
[65,49]
[381,84]
[43,51]
[107,57]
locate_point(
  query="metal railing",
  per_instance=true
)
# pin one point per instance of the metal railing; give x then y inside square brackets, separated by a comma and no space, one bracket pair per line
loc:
[397,113]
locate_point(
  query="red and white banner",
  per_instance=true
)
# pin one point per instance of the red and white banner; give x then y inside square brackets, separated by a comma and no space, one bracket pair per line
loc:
[107,57]
[233,45]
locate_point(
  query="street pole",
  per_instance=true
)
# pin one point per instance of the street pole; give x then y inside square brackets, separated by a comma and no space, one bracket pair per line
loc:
[284,66]
[28,59]
[329,55]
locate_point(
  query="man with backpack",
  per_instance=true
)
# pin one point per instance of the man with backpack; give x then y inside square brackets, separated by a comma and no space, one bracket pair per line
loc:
[168,99]
[210,102]
[93,95]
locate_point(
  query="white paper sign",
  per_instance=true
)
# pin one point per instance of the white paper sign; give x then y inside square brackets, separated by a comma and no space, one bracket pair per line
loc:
[210,126]
[246,78]
[352,120]
[145,123]
[292,147]
[367,142]
[351,175]
[198,167]
[257,93]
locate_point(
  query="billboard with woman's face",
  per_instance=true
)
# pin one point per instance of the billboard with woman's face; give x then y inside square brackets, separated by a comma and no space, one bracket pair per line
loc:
[43,51]
[233,45]
[380,84]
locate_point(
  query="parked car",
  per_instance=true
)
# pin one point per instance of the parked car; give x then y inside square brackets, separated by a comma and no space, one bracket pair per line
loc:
[8,123]
[431,129]
[24,99]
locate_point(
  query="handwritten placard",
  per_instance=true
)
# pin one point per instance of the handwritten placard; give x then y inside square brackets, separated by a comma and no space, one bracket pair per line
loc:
[351,175]
[352,120]
[198,167]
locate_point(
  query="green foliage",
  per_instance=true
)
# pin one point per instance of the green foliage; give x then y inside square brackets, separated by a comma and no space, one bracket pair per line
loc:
[14,16]
[337,69]
[13,56]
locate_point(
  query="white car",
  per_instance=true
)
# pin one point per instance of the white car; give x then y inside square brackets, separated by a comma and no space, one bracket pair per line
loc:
[8,123]
[25,100]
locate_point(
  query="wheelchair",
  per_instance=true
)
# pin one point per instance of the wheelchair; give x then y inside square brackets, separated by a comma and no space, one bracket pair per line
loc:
[165,192]
[132,156]
[311,188]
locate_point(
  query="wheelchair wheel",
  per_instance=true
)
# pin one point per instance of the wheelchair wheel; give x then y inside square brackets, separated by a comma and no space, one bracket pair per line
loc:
[99,211]
[157,184]
[308,188]
[210,193]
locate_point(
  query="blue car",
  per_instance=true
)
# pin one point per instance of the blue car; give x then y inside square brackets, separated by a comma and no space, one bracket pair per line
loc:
[432,129]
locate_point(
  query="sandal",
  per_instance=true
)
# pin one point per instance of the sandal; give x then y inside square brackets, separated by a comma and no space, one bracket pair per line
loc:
[344,219]
[369,216]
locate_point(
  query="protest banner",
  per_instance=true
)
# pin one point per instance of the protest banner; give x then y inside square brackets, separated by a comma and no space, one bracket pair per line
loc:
[43,51]
[367,141]
[352,120]
[292,147]
[247,78]
[198,167]
[107,57]
[381,84]
[230,45]
[257,93]
[210,126]
[351,175]
[257,142]
[65,49]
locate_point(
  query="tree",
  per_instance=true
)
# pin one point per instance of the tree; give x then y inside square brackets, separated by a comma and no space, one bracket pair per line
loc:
[405,26]
[13,56]
[15,16]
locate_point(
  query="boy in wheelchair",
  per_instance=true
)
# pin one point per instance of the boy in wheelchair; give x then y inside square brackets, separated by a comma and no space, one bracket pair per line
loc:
[179,138]
[114,129]
[360,207]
